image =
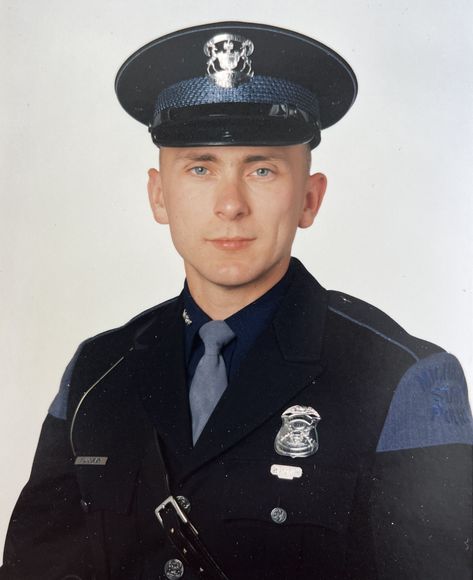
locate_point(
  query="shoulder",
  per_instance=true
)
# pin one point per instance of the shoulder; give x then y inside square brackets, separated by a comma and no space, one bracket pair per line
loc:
[361,314]
[102,351]
[132,330]
[430,403]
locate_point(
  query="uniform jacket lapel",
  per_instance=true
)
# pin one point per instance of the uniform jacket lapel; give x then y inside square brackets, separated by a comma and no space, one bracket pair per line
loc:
[158,370]
[285,359]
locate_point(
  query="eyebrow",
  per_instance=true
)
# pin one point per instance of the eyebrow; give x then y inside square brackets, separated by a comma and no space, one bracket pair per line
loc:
[203,157]
[208,157]
[256,158]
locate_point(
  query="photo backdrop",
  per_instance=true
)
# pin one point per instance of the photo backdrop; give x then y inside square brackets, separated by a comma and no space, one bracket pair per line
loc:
[80,252]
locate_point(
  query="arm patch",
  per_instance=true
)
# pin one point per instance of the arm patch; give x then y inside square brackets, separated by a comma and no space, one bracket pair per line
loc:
[429,407]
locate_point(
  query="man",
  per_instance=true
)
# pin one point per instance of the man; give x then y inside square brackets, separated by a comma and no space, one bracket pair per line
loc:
[256,426]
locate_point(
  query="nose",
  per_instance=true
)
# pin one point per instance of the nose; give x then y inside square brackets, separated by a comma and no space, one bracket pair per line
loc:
[231,201]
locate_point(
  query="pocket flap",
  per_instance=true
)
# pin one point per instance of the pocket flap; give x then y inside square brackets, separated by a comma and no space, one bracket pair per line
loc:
[320,497]
[107,487]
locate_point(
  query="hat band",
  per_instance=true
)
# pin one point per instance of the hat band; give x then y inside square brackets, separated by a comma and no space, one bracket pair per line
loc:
[261,89]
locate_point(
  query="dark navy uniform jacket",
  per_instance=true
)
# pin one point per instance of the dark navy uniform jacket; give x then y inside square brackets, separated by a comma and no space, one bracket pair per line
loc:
[386,496]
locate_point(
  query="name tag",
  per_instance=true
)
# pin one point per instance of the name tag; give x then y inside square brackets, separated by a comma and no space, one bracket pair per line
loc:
[286,471]
[90,460]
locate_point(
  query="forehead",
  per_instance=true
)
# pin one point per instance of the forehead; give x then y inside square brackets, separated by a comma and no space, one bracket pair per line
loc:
[237,154]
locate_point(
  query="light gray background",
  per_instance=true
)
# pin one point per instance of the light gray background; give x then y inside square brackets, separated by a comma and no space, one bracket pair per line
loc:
[79,250]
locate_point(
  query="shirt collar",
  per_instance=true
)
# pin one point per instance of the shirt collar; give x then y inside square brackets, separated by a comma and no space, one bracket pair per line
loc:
[247,323]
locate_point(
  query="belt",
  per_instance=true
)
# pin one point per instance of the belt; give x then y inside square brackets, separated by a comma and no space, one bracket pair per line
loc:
[181,533]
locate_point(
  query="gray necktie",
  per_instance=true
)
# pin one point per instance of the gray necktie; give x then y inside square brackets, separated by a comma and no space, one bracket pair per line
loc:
[210,377]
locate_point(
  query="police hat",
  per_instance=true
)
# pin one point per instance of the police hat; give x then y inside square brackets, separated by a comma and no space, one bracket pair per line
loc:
[235,83]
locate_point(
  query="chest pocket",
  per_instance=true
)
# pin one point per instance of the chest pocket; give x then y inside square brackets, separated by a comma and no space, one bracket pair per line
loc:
[320,497]
[289,527]
[106,487]
[119,511]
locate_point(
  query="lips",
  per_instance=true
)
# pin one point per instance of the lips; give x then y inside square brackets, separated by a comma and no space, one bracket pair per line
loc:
[234,243]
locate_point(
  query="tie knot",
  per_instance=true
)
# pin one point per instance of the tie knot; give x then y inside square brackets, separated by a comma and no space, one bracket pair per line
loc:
[215,335]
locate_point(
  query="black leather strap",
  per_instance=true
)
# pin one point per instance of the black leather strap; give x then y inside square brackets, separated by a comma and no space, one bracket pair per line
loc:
[181,533]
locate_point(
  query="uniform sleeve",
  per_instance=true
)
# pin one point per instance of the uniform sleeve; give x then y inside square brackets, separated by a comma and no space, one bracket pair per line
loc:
[47,536]
[421,504]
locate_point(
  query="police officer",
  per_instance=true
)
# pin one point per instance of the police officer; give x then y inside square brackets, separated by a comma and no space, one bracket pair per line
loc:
[256,426]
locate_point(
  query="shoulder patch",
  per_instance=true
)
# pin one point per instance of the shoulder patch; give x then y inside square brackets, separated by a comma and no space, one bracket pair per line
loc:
[429,407]
[374,319]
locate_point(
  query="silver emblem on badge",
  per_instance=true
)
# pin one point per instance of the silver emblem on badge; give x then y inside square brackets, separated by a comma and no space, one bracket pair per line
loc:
[228,65]
[298,434]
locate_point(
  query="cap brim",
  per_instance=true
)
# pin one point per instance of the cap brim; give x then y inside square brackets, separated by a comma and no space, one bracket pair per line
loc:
[235,131]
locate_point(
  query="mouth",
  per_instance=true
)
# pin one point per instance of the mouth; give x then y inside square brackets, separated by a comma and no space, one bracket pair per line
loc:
[235,243]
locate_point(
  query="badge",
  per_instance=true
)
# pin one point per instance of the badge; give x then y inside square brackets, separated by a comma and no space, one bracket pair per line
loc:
[298,434]
[229,65]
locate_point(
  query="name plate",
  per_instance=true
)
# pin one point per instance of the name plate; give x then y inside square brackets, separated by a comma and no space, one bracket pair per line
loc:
[90,460]
[286,471]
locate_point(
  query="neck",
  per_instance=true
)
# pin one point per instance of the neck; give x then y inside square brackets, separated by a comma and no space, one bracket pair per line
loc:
[220,302]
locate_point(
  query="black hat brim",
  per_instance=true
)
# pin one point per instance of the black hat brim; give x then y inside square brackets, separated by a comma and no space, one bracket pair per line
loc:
[235,130]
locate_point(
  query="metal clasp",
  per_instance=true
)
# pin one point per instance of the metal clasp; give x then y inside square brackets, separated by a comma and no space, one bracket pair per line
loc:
[177,508]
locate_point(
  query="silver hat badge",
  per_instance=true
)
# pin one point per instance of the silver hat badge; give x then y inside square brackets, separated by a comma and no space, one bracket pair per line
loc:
[298,434]
[228,65]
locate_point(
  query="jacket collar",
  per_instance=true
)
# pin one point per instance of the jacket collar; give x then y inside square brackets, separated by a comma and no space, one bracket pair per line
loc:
[299,323]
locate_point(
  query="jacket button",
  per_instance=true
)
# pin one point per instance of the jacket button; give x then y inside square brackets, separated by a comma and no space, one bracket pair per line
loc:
[184,503]
[278,515]
[85,505]
[174,569]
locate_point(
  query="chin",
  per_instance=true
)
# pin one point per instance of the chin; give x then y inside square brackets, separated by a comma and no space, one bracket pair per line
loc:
[233,275]
[251,273]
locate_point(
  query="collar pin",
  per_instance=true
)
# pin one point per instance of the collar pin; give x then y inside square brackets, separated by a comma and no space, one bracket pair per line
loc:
[186,317]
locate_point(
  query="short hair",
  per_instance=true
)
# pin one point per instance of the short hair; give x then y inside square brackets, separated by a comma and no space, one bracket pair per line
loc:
[308,157]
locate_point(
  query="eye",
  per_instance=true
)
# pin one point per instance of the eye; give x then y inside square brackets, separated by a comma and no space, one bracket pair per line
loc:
[199,170]
[262,172]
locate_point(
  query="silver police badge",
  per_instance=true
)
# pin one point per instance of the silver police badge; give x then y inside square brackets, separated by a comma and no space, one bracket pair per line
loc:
[229,65]
[298,434]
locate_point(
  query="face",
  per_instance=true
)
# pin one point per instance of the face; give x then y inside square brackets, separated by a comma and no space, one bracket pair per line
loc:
[233,211]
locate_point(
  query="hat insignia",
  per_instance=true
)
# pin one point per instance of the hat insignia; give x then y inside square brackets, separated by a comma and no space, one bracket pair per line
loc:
[229,64]
[297,436]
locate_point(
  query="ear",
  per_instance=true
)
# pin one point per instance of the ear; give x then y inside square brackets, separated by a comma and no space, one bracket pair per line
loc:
[316,186]
[156,198]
